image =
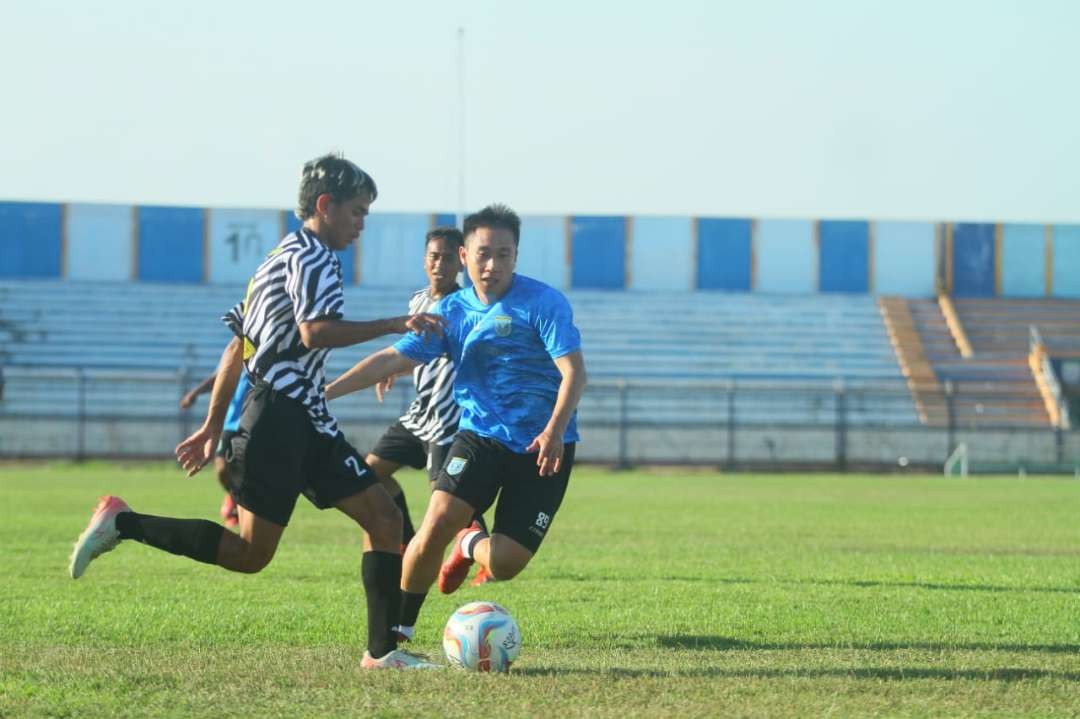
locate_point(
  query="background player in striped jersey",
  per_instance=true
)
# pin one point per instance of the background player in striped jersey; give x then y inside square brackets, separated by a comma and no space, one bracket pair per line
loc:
[288,443]
[422,436]
[230,517]
[520,376]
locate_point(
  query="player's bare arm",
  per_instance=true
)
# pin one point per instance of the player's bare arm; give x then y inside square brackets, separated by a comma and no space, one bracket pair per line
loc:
[549,443]
[196,451]
[370,370]
[191,395]
[343,333]
[386,384]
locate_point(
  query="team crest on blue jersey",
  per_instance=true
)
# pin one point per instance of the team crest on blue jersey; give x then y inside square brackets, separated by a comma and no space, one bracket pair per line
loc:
[503,325]
[455,465]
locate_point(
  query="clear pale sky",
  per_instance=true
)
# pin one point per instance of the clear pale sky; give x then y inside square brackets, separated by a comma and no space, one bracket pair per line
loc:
[946,109]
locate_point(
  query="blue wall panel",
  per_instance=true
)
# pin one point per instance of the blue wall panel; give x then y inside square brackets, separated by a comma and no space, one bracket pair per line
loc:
[542,250]
[1023,261]
[100,243]
[446,219]
[292,222]
[725,254]
[1067,261]
[238,241]
[904,258]
[392,250]
[170,244]
[661,253]
[347,258]
[844,262]
[973,260]
[786,257]
[599,252]
[29,239]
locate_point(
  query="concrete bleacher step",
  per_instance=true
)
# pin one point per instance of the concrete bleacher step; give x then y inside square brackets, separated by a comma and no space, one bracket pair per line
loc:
[1004,325]
[993,386]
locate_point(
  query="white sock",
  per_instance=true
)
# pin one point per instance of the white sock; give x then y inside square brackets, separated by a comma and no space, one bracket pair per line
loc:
[467,542]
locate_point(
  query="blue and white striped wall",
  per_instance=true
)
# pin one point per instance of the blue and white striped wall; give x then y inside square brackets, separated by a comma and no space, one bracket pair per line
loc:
[196,245]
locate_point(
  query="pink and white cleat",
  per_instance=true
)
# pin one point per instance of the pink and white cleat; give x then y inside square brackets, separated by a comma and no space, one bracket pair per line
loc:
[100,535]
[397,659]
[483,576]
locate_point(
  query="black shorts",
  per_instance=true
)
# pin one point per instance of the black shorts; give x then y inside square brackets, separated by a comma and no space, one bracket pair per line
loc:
[478,469]
[400,446]
[224,442]
[277,454]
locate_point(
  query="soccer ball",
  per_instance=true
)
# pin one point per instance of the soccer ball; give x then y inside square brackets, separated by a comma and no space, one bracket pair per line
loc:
[482,637]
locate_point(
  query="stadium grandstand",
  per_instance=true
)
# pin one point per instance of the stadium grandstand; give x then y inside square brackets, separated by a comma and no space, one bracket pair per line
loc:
[708,340]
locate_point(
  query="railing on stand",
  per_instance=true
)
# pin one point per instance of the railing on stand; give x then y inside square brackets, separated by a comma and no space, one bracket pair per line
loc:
[846,423]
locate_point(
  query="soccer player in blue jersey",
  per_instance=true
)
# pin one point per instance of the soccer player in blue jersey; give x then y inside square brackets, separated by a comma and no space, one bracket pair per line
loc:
[422,436]
[520,375]
[230,517]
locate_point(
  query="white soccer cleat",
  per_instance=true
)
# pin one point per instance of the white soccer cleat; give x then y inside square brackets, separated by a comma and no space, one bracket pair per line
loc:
[100,535]
[397,659]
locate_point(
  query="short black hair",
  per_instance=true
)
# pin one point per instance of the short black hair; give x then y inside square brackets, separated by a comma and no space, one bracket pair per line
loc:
[496,216]
[452,235]
[332,175]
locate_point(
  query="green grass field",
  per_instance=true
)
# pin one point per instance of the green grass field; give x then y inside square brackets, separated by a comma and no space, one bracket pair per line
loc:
[657,594]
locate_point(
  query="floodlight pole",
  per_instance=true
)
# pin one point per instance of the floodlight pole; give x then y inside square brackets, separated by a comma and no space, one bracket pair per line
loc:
[461,123]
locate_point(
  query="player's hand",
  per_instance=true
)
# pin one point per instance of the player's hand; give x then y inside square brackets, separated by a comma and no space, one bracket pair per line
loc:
[187,400]
[195,452]
[549,453]
[381,388]
[424,324]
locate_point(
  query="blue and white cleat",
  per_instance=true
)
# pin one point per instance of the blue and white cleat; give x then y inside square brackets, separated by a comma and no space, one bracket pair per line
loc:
[397,659]
[100,535]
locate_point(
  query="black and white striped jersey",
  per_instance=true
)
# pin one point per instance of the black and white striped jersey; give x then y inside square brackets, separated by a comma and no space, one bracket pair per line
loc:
[299,281]
[433,415]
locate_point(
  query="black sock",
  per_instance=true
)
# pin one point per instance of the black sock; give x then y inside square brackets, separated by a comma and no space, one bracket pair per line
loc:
[407,530]
[410,607]
[195,538]
[381,573]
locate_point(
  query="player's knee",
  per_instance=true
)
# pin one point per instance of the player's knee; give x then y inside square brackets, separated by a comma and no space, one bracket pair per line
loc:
[442,528]
[386,526]
[504,568]
[253,561]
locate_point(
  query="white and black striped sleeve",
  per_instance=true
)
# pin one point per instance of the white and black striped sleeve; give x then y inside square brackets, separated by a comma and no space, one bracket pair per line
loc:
[313,282]
[234,319]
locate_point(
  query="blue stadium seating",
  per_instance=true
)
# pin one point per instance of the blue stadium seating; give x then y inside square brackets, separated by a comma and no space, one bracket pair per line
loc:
[668,338]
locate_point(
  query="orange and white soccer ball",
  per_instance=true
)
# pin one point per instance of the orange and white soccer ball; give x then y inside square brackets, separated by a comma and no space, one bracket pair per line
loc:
[482,637]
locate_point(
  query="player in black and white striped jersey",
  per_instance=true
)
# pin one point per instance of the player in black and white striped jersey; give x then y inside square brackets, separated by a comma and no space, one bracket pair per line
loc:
[421,437]
[288,443]
[433,415]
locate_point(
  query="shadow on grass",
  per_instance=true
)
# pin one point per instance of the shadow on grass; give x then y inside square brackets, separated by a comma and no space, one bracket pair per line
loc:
[876,673]
[860,583]
[938,586]
[729,644]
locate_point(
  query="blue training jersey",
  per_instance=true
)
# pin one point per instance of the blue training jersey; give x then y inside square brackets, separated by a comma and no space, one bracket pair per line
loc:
[236,405]
[506,380]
